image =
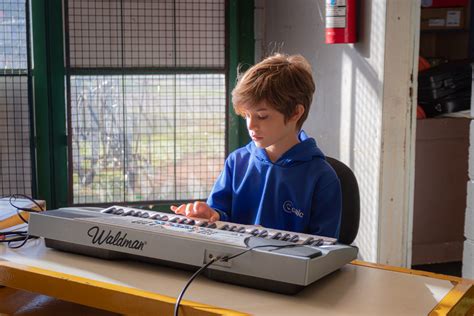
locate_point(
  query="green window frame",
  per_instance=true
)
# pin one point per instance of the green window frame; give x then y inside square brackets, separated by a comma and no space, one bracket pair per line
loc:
[49,90]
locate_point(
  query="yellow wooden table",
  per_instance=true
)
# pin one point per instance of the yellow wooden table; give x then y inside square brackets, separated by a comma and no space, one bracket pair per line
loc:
[127,287]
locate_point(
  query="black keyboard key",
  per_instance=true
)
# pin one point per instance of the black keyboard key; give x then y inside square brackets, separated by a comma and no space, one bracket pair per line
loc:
[119,211]
[241,229]
[110,210]
[173,220]
[145,215]
[201,223]
[285,237]
[294,238]
[212,225]
[318,242]
[263,233]
[225,227]
[277,235]
[308,241]
[164,218]
[252,231]
[156,216]
[182,220]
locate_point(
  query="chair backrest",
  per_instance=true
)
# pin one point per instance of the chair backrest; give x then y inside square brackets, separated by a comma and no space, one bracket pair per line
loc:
[350,201]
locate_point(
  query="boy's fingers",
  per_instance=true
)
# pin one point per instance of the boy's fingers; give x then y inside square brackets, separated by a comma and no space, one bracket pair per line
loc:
[214,217]
[189,209]
[200,207]
[178,210]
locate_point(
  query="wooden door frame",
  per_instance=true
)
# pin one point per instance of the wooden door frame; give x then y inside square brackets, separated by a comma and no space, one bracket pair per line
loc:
[398,133]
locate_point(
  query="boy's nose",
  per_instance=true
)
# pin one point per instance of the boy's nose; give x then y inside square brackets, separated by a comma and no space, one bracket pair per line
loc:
[251,123]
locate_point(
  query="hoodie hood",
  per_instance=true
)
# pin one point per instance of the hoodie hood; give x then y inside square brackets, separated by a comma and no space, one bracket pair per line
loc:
[305,150]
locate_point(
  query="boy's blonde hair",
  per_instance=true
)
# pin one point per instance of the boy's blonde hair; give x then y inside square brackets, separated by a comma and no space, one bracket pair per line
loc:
[283,81]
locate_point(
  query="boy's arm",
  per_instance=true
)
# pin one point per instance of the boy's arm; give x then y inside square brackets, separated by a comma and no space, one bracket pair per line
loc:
[220,198]
[327,208]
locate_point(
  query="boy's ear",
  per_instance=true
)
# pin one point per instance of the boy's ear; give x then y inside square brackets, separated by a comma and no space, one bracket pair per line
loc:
[299,111]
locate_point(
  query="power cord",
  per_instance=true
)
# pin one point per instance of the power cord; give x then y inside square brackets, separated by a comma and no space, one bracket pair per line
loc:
[224,259]
[195,275]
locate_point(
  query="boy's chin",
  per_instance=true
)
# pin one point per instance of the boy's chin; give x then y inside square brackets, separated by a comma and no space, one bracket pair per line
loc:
[259,144]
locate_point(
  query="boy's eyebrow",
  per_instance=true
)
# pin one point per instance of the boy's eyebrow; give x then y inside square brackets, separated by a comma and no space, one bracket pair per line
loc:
[261,109]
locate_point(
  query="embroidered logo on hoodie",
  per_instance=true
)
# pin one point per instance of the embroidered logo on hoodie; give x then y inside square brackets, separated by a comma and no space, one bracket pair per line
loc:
[288,208]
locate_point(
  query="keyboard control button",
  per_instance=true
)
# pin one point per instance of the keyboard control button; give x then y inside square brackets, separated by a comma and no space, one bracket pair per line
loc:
[137,214]
[263,234]
[308,241]
[145,215]
[119,211]
[241,229]
[233,228]
[156,216]
[164,218]
[201,223]
[212,225]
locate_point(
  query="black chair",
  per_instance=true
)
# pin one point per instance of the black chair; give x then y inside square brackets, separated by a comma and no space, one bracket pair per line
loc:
[350,201]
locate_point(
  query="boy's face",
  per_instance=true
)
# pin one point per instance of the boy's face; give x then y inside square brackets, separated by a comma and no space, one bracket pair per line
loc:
[267,127]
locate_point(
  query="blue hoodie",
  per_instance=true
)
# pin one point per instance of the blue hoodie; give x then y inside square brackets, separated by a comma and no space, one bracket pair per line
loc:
[299,192]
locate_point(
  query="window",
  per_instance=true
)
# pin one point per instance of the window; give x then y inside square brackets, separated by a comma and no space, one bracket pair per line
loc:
[146,97]
[16,168]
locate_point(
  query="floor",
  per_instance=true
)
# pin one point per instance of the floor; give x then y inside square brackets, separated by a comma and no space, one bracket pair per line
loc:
[23,303]
[449,268]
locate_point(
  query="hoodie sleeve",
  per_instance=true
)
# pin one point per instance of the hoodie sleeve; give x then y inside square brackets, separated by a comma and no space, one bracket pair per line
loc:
[327,207]
[220,198]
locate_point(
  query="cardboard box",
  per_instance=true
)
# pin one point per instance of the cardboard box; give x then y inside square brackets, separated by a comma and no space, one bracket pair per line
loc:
[441,176]
[442,18]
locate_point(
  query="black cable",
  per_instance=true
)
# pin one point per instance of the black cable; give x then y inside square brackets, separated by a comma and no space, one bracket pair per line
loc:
[17,195]
[22,236]
[195,275]
[224,259]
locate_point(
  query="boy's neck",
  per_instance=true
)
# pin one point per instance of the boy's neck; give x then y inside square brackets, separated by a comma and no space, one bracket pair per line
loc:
[275,151]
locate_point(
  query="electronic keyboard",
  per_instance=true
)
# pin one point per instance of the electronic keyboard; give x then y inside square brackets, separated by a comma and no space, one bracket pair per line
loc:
[269,259]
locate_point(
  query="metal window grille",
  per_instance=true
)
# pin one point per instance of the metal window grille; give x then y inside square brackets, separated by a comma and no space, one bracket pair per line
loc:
[16,167]
[146,99]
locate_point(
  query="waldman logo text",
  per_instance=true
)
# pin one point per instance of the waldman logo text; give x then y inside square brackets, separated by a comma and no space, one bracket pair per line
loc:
[118,240]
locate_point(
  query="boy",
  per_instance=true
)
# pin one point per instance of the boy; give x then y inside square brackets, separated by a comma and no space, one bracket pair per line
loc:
[280,179]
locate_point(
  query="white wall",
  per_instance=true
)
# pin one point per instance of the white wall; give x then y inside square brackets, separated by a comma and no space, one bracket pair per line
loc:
[346,114]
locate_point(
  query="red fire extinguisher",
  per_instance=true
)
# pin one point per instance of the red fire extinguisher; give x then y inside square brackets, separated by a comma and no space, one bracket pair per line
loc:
[340,21]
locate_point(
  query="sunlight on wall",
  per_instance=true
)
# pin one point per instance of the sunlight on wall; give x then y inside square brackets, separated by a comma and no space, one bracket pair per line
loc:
[366,162]
[347,101]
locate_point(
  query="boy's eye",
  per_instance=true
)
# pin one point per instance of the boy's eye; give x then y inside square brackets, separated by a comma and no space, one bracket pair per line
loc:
[263,117]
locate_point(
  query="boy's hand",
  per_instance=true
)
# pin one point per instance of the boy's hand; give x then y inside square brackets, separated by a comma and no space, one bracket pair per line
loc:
[197,209]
